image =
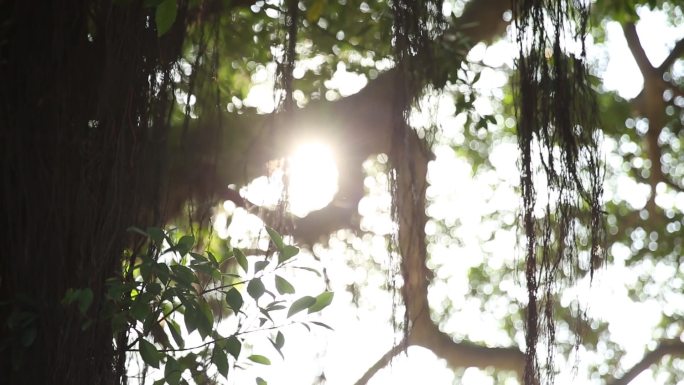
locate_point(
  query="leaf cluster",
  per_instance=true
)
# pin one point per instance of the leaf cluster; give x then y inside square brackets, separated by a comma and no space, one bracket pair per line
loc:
[170,300]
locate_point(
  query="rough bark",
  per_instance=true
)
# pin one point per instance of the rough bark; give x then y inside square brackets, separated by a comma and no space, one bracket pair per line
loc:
[77,170]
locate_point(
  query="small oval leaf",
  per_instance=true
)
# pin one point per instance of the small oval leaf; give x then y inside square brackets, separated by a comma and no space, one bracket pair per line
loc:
[322,301]
[283,286]
[234,299]
[276,238]
[233,346]
[241,259]
[255,288]
[287,252]
[259,359]
[300,304]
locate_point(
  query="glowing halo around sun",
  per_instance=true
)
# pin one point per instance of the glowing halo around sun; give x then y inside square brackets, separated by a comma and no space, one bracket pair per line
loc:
[312,177]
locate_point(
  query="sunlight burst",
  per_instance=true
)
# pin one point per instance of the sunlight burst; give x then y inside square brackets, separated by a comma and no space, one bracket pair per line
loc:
[313,177]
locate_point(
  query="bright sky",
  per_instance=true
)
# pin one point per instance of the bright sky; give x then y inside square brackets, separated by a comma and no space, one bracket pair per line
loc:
[363,334]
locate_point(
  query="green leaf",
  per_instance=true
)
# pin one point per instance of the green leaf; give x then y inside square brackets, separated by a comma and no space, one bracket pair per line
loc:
[261,381]
[280,340]
[265,313]
[85,299]
[212,258]
[233,346]
[234,299]
[283,286]
[323,325]
[276,238]
[185,244]
[153,288]
[69,297]
[241,259]
[287,252]
[278,343]
[208,314]
[183,275]
[259,359]
[156,234]
[140,309]
[190,318]
[322,301]
[260,265]
[220,359]
[172,371]
[198,258]
[176,333]
[149,353]
[300,304]
[165,16]
[255,288]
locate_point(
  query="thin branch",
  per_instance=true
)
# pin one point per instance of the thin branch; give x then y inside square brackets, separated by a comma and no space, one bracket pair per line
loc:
[676,52]
[381,363]
[634,44]
[666,348]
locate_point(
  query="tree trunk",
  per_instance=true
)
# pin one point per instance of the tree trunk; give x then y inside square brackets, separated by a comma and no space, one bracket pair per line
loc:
[78,164]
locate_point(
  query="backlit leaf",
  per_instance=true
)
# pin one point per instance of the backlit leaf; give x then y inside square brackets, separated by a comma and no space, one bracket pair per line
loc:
[176,333]
[241,259]
[322,301]
[287,252]
[233,345]
[234,299]
[276,238]
[301,304]
[259,359]
[283,286]
[149,353]
[255,288]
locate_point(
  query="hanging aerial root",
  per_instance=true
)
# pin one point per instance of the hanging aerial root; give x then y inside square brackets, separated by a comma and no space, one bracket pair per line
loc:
[416,24]
[558,138]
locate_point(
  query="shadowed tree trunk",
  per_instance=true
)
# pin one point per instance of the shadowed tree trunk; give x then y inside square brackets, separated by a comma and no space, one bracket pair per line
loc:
[80,163]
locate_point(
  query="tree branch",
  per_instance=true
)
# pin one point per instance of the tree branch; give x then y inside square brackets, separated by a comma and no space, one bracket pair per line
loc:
[676,52]
[357,126]
[634,44]
[666,348]
[457,354]
[465,354]
[380,364]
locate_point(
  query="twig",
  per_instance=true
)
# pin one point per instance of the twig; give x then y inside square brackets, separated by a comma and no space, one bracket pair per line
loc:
[381,363]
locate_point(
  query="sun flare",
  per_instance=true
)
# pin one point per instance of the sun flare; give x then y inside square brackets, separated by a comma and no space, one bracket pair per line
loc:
[313,177]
